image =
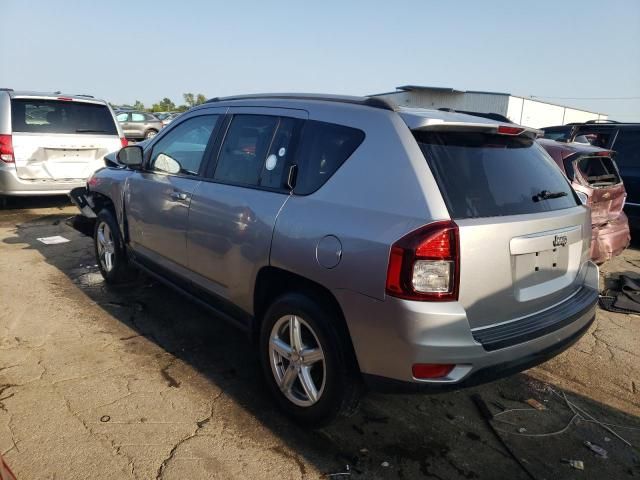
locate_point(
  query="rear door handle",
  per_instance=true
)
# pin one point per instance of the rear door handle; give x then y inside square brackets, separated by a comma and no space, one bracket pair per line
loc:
[179,196]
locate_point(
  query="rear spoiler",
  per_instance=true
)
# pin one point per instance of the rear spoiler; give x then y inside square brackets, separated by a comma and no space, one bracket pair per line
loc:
[513,130]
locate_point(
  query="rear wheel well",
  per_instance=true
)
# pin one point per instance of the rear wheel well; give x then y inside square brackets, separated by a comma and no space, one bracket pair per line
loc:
[272,282]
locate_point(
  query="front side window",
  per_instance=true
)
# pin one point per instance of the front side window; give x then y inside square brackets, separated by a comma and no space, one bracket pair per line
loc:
[490,175]
[245,148]
[181,150]
[58,116]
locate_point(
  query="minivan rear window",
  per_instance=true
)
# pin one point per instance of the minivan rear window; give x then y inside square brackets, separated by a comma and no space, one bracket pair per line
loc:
[490,175]
[59,116]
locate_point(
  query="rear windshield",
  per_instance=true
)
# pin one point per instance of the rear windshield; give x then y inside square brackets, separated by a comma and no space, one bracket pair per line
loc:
[57,116]
[488,175]
[598,171]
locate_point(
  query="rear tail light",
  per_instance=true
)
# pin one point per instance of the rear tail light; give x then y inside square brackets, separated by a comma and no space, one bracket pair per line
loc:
[505,130]
[425,264]
[124,142]
[431,370]
[6,149]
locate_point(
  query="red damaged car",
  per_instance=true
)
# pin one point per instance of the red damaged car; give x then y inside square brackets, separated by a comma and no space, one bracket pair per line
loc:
[593,171]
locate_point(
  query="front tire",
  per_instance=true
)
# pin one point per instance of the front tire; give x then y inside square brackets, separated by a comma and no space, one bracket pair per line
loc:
[109,248]
[307,362]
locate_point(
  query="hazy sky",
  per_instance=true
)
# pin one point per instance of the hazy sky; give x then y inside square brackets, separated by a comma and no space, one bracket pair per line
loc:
[146,50]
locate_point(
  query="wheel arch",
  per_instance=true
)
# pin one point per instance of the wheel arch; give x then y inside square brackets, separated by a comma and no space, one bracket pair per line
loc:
[272,282]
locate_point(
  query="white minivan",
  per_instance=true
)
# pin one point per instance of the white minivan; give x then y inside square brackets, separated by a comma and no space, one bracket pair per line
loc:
[51,142]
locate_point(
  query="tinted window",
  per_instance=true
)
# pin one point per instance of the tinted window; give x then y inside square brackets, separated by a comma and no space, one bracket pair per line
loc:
[556,135]
[245,149]
[150,118]
[56,116]
[275,168]
[487,175]
[323,149]
[181,150]
[627,147]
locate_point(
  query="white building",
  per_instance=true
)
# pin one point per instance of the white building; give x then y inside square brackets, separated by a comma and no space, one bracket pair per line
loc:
[525,111]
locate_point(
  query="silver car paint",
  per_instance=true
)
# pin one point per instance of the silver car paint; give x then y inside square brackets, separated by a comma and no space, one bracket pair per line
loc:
[383,191]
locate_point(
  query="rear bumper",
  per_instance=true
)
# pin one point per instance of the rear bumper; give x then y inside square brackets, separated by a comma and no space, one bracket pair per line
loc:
[390,336]
[610,240]
[12,185]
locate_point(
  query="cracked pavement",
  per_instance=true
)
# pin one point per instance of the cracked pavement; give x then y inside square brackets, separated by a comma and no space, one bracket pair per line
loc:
[135,382]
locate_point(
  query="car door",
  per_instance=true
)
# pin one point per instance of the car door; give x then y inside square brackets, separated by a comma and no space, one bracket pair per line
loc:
[123,119]
[234,210]
[627,148]
[137,124]
[157,197]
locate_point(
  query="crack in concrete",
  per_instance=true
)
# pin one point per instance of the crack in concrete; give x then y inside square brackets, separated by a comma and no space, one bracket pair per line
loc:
[199,425]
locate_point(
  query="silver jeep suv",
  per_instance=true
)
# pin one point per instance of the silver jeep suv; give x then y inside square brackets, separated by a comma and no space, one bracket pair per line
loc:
[356,242]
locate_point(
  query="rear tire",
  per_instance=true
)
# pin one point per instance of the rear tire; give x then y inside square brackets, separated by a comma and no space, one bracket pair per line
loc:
[111,255]
[311,373]
[150,134]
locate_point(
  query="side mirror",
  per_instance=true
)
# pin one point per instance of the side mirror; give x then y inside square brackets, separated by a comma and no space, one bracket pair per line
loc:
[130,156]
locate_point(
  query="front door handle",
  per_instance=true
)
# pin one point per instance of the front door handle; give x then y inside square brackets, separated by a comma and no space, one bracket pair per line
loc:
[179,196]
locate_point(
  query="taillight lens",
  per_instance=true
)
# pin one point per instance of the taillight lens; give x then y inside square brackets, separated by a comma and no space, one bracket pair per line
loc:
[505,130]
[424,265]
[124,142]
[6,149]
[431,370]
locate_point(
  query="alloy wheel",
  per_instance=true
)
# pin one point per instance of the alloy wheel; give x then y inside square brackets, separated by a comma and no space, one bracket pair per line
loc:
[297,360]
[106,247]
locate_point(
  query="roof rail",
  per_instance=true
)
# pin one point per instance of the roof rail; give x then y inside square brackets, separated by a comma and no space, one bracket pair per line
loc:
[85,95]
[5,89]
[374,102]
[491,116]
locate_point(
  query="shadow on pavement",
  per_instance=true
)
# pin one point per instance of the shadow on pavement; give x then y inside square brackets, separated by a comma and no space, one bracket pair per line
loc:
[437,436]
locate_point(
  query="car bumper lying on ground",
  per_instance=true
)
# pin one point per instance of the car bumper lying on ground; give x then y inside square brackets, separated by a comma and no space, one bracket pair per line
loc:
[393,335]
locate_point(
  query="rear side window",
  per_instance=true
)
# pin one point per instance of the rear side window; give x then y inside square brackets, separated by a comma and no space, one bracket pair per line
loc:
[598,171]
[324,147]
[627,147]
[489,175]
[57,116]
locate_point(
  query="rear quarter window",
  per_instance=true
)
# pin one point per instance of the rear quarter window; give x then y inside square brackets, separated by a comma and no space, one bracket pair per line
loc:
[324,147]
[58,116]
[489,175]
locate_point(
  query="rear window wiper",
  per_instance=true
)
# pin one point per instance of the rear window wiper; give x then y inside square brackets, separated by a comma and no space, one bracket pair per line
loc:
[89,130]
[546,195]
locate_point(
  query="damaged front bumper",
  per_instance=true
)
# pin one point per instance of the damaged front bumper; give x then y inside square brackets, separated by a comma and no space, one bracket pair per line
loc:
[86,220]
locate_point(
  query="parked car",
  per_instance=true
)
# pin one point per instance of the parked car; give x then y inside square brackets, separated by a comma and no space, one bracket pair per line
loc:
[593,171]
[624,138]
[139,125]
[354,241]
[52,142]
[170,118]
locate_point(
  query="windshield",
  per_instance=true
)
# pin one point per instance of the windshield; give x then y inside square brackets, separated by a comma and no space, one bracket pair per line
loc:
[57,116]
[487,175]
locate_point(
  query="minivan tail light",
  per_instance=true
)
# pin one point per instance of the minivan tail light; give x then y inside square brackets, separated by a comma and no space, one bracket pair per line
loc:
[425,264]
[124,142]
[6,149]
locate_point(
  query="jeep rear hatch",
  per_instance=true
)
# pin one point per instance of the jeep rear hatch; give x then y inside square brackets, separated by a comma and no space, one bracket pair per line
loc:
[61,139]
[521,226]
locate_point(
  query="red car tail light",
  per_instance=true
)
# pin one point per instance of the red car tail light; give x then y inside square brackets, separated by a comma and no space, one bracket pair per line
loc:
[6,149]
[505,130]
[431,370]
[425,264]
[124,142]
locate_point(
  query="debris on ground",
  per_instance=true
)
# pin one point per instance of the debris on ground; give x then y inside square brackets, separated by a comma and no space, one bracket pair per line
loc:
[55,240]
[385,464]
[577,464]
[346,473]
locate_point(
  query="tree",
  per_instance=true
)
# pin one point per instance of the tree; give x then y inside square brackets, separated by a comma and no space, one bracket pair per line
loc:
[138,105]
[192,100]
[165,105]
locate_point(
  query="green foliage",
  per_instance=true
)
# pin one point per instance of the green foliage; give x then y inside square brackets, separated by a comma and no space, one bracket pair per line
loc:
[167,105]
